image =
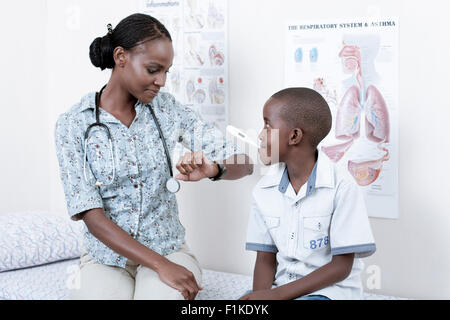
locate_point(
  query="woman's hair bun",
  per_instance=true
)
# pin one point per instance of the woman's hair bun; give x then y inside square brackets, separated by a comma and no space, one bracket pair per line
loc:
[101,53]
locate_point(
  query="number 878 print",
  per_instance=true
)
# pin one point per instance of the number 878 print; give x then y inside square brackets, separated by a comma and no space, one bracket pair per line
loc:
[319,243]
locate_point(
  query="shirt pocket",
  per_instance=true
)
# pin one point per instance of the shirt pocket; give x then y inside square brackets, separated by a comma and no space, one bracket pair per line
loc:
[316,230]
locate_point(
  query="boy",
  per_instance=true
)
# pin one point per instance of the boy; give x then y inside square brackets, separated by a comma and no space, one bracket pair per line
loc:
[308,222]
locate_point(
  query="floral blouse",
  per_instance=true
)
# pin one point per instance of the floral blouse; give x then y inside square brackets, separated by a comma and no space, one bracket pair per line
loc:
[134,193]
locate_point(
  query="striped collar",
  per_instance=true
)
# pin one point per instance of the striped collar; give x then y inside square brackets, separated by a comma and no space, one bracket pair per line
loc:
[322,175]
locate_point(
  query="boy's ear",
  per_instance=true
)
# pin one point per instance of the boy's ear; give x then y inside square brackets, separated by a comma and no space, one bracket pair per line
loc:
[295,136]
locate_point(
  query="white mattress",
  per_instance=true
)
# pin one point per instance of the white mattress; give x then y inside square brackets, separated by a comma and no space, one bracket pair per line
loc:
[48,282]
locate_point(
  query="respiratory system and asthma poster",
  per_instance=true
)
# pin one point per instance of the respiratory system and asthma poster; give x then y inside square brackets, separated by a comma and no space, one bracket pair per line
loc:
[354,65]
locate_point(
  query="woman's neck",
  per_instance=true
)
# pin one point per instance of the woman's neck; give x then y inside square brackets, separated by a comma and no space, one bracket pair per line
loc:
[115,99]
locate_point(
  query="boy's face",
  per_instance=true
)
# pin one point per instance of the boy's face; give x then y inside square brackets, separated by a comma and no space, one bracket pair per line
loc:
[275,134]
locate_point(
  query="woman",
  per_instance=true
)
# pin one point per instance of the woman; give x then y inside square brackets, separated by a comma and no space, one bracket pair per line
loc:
[122,187]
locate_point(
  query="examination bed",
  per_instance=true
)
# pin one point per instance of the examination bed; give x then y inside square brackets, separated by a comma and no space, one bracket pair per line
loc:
[39,256]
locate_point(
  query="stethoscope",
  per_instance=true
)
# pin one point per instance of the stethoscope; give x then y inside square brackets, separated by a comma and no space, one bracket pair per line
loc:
[172,184]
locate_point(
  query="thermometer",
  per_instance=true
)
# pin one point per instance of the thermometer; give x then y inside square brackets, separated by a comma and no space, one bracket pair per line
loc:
[239,134]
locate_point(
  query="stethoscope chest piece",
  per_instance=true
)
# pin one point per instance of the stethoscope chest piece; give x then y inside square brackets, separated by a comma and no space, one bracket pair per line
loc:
[173,185]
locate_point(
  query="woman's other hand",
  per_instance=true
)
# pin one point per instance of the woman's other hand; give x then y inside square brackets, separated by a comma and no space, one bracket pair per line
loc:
[179,278]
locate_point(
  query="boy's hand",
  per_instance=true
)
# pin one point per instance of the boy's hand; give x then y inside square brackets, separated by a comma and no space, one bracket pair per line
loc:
[261,295]
[194,166]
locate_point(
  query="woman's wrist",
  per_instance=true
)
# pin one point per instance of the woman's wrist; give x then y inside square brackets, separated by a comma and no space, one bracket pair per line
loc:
[157,263]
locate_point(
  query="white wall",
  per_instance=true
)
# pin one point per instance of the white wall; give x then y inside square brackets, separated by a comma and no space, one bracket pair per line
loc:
[45,56]
[23,183]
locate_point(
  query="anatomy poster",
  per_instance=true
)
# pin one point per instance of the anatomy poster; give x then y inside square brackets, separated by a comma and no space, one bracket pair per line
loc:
[199,76]
[354,65]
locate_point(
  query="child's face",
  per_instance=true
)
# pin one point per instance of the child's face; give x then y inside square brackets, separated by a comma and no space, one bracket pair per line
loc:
[273,135]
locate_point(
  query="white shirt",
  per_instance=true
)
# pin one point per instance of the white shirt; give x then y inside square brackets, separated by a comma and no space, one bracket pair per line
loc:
[327,217]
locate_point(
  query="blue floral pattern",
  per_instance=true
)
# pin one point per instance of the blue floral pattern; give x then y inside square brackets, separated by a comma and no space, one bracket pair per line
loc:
[136,200]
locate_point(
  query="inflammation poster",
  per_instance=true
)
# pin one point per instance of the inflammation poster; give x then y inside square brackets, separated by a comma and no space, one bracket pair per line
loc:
[354,65]
[199,76]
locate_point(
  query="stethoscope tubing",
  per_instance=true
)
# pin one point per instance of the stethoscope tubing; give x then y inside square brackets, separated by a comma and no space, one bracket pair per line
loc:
[163,140]
[104,126]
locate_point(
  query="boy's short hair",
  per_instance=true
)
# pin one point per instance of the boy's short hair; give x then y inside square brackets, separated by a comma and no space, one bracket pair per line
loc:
[306,109]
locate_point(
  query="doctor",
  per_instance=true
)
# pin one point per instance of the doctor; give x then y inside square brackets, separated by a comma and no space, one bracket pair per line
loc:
[113,149]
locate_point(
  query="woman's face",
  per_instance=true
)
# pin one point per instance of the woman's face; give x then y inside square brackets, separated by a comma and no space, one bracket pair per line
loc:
[145,69]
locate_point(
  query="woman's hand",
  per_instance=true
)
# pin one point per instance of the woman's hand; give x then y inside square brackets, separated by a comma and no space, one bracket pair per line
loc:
[194,166]
[179,278]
